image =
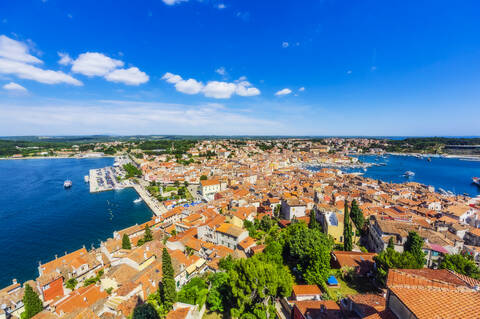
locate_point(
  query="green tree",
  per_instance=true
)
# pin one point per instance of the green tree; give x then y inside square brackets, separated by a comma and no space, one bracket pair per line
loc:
[254,282]
[307,252]
[145,311]
[126,242]
[71,283]
[147,236]
[461,264]
[347,230]
[32,302]
[414,246]
[357,215]
[194,292]
[219,296]
[391,244]
[167,292]
[203,177]
[276,211]
[313,224]
[390,258]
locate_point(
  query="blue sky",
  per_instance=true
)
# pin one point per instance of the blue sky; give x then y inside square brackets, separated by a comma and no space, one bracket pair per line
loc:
[240,67]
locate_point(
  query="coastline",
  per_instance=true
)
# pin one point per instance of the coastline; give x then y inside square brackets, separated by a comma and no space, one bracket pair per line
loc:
[466,157]
[54,157]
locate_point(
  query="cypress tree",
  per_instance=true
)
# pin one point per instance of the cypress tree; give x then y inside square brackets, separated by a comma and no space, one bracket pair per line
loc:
[357,215]
[168,292]
[347,230]
[147,236]
[126,242]
[390,243]
[414,246]
[313,224]
[32,302]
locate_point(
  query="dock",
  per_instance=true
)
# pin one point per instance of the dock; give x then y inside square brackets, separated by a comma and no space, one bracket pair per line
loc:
[105,179]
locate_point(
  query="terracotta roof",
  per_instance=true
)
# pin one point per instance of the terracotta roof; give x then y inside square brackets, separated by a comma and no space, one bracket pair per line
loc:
[362,261]
[419,278]
[434,304]
[368,303]
[302,290]
[45,315]
[319,309]
[80,298]
[180,313]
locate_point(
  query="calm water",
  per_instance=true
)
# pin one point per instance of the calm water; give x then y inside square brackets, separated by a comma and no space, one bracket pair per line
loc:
[39,218]
[451,174]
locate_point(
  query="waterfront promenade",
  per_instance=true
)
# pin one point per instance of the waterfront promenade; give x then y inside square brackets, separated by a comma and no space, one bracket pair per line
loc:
[157,208]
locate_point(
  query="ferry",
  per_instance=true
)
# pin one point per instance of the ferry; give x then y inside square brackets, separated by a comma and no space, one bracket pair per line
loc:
[409,174]
[67,183]
[138,200]
[476,181]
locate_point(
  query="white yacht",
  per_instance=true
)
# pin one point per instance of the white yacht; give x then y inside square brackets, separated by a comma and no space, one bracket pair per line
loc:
[138,200]
[67,183]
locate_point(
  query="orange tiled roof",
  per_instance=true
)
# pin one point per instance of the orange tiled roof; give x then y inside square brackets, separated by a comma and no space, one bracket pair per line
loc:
[80,298]
[301,290]
[433,304]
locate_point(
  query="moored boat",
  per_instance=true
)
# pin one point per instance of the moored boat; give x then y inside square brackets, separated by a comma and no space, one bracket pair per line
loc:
[67,184]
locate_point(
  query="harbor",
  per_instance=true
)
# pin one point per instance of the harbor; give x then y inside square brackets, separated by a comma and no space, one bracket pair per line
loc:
[112,178]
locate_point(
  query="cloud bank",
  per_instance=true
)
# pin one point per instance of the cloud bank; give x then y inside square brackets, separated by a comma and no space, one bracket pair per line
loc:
[213,89]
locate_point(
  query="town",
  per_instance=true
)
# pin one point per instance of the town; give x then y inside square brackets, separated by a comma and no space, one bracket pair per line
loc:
[245,228]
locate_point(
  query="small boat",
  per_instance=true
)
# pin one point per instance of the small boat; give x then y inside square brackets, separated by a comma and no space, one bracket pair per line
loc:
[409,174]
[429,159]
[476,181]
[86,178]
[67,183]
[138,200]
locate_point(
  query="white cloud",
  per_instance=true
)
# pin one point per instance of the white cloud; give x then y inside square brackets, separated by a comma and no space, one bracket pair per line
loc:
[301,89]
[16,51]
[65,59]
[171,78]
[285,91]
[30,72]
[221,6]
[219,90]
[245,88]
[95,64]
[215,89]
[349,72]
[131,76]
[190,86]
[221,71]
[172,2]
[285,44]
[12,86]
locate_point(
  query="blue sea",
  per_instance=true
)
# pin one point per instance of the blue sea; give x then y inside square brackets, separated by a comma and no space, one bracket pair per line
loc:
[39,218]
[450,174]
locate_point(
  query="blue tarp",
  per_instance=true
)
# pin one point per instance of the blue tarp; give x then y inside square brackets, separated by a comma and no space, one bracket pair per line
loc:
[332,281]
